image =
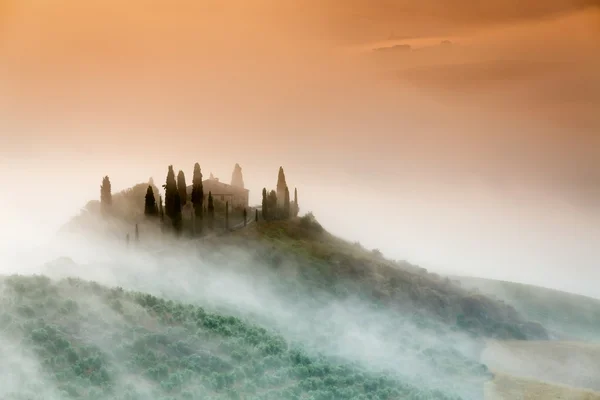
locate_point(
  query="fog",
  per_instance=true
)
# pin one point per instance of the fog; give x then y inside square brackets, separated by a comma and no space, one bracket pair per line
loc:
[231,279]
[475,158]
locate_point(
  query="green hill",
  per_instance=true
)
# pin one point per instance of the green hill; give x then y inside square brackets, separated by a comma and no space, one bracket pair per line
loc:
[92,342]
[416,333]
[334,264]
[567,316]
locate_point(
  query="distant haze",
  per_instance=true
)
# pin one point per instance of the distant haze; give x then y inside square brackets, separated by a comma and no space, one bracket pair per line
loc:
[479,156]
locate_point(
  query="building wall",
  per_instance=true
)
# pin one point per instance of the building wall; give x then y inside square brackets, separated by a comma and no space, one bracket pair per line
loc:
[223,192]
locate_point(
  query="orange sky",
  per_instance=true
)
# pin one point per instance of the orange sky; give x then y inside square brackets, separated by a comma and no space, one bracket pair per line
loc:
[126,88]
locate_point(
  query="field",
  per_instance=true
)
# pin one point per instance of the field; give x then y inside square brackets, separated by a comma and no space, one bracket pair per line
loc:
[574,364]
[507,387]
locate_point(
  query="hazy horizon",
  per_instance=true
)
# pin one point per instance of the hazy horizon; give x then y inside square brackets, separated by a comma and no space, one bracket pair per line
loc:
[478,157]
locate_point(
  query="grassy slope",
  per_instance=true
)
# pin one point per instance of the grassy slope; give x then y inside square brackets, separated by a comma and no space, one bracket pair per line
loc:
[96,343]
[565,363]
[396,285]
[507,387]
[567,316]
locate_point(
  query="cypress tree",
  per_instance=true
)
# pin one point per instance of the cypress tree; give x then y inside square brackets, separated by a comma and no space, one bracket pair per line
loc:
[177,219]
[265,204]
[170,192]
[226,215]
[137,233]
[245,216]
[237,178]
[197,191]
[281,185]
[296,207]
[272,205]
[105,194]
[211,210]
[182,187]
[256,215]
[286,204]
[150,207]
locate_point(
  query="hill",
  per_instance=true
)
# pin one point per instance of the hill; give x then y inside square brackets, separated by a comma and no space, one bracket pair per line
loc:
[333,265]
[79,340]
[336,301]
[567,316]
[399,286]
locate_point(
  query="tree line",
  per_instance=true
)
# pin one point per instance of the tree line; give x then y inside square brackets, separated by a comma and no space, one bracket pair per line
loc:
[276,205]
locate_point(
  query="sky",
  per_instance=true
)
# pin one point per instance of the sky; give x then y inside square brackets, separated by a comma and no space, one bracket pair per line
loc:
[472,147]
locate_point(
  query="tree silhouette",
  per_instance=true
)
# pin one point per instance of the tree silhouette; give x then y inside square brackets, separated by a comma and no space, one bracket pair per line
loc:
[197,191]
[170,193]
[281,185]
[256,215]
[245,215]
[150,207]
[177,219]
[286,204]
[237,179]
[211,211]
[265,204]
[182,187]
[272,205]
[105,195]
[296,207]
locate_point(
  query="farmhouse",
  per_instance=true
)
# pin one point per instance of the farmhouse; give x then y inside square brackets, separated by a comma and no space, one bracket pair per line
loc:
[236,196]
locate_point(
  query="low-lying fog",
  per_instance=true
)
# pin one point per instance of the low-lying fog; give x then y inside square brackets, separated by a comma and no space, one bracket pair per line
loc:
[230,280]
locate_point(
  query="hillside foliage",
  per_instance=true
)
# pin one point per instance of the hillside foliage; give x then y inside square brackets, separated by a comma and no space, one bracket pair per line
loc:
[99,343]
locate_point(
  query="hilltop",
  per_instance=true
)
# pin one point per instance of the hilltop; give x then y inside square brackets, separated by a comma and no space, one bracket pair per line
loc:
[340,305]
[302,253]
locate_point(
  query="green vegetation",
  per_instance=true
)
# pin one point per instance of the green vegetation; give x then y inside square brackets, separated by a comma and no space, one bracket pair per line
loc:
[336,265]
[197,191]
[106,195]
[98,343]
[567,316]
[150,207]
[182,188]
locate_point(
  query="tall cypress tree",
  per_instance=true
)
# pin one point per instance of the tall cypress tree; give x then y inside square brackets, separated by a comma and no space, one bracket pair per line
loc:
[296,207]
[227,215]
[170,192]
[281,185]
[182,187]
[274,211]
[265,204]
[197,191]
[177,219]
[286,204]
[211,211]
[150,207]
[105,195]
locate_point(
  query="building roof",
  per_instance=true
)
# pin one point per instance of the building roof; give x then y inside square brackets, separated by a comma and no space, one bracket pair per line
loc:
[220,188]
